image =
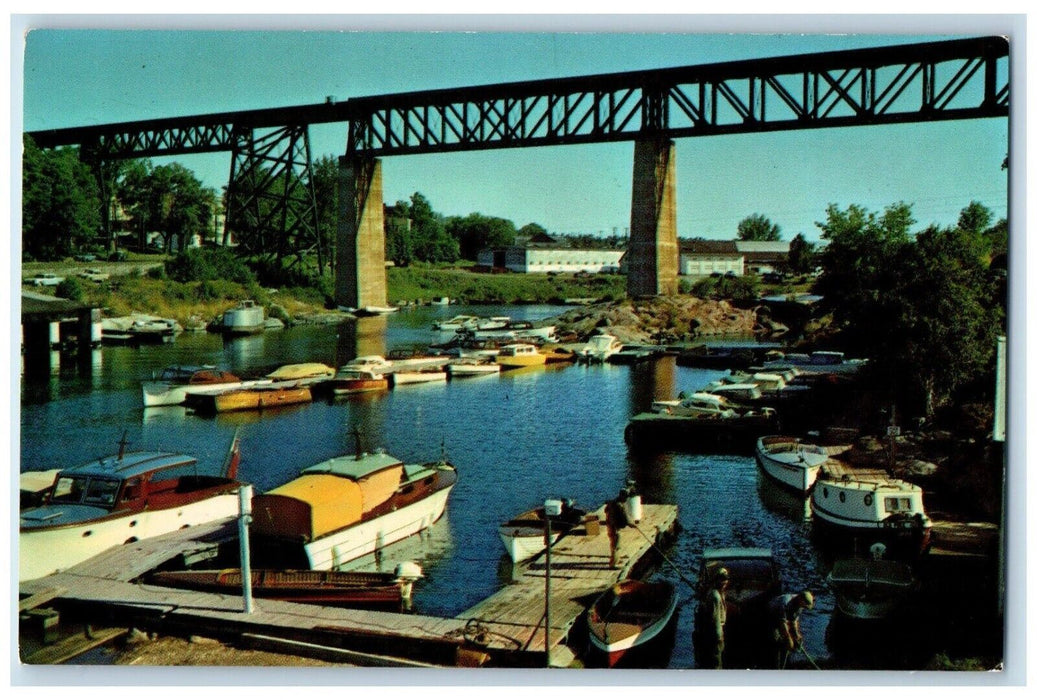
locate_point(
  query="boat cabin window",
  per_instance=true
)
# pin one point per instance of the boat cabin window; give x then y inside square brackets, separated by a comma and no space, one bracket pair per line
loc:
[69,489]
[101,491]
[82,489]
[898,504]
[133,489]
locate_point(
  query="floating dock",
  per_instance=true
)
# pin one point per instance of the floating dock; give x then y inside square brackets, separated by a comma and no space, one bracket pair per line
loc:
[506,629]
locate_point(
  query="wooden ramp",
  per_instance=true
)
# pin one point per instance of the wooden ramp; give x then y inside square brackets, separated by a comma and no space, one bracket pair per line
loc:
[513,618]
[501,630]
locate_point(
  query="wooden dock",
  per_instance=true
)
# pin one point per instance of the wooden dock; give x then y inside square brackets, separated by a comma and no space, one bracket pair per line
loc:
[500,631]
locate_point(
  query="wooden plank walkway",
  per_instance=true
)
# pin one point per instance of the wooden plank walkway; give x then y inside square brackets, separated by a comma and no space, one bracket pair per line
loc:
[514,616]
[579,571]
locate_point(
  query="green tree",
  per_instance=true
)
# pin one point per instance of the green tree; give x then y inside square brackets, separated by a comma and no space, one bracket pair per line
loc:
[532,229]
[431,242]
[758,227]
[168,199]
[921,309]
[60,202]
[324,173]
[802,255]
[398,244]
[476,231]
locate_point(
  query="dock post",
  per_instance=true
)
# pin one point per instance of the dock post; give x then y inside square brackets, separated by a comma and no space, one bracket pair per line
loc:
[245,511]
[547,594]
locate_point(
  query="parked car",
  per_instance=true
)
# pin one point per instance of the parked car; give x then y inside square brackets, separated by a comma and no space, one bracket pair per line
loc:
[94,275]
[85,257]
[45,279]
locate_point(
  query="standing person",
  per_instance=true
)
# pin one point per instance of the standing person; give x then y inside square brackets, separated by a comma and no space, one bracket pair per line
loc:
[710,618]
[784,611]
[614,519]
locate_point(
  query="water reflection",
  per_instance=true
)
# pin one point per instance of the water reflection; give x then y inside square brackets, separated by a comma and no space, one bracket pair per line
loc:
[245,350]
[795,507]
[359,337]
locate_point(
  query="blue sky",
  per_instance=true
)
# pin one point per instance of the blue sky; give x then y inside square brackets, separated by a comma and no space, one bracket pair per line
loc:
[90,76]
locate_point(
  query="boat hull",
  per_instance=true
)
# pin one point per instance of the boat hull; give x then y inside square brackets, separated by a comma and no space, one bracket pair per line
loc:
[635,637]
[696,434]
[339,548]
[790,464]
[43,551]
[334,588]
[358,386]
[399,378]
[248,399]
[473,370]
[167,394]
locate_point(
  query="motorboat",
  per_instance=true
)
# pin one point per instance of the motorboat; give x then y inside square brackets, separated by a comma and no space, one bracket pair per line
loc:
[373,363]
[247,318]
[472,367]
[456,323]
[630,622]
[520,355]
[345,507]
[818,362]
[870,589]
[371,310]
[524,535]
[418,375]
[753,580]
[120,499]
[139,329]
[349,380]
[302,374]
[700,422]
[790,462]
[170,387]
[335,588]
[600,348]
[250,398]
[888,511]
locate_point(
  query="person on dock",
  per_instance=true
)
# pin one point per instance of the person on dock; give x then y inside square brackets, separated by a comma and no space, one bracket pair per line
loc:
[710,619]
[784,611]
[615,518]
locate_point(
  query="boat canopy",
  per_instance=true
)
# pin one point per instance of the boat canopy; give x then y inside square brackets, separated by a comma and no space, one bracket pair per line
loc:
[301,371]
[308,507]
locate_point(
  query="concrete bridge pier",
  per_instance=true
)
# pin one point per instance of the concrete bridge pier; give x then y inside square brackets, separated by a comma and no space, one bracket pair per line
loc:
[360,264]
[652,253]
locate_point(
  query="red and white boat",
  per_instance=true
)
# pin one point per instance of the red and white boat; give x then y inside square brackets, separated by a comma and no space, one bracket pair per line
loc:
[172,385]
[117,500]
[632,623]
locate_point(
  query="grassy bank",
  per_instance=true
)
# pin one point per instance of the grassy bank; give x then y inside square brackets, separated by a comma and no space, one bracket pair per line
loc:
[424,282]
[142,290]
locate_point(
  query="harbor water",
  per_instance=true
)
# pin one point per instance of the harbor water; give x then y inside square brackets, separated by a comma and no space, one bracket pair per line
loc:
[516,439]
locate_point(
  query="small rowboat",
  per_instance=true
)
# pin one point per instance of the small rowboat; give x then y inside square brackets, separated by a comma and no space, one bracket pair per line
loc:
[793,464]
[629,624]
[523,535]
[337,588]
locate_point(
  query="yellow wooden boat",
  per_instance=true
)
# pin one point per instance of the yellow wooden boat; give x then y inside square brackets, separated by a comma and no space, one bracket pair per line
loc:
[256,398]
[520,355]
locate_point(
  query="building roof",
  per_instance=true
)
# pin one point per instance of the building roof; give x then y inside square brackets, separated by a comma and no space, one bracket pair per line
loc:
[35,304]
[703,246]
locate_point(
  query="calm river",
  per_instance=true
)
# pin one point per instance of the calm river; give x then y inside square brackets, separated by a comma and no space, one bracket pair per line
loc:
[516,439]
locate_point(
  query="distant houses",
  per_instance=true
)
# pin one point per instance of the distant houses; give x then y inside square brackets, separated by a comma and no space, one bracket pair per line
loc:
[545,254]
[699,257]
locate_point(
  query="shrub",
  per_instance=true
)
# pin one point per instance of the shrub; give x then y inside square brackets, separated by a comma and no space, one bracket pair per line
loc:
[200,264]
[69,288]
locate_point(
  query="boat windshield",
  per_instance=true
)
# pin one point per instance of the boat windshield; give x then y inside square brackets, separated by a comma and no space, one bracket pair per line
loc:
[88,490]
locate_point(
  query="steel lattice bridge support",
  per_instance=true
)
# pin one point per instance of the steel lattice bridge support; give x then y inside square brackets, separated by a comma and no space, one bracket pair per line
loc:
[271,207]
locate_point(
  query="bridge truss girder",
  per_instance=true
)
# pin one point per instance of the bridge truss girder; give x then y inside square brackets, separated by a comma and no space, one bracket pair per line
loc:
[922,82]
